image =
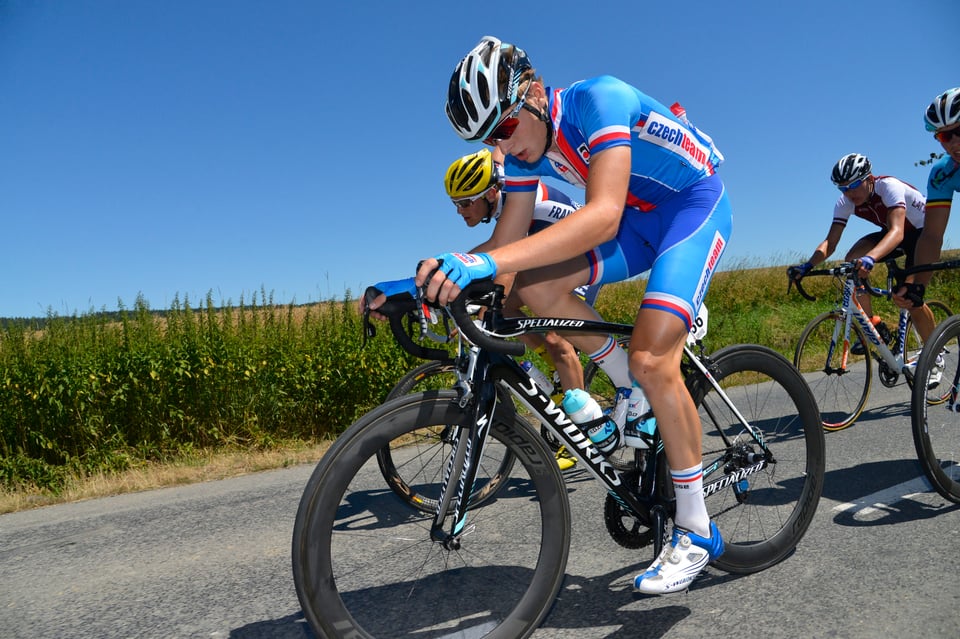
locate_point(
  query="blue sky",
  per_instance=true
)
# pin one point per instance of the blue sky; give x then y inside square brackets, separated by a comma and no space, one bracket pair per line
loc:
[179,147]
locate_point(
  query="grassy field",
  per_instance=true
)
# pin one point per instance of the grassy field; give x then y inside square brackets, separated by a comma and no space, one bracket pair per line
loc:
[98,404]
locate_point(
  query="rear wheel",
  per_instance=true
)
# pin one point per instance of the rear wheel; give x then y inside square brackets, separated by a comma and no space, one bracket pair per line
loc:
[761,509]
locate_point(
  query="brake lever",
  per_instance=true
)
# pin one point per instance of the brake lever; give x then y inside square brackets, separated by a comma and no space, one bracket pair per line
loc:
[369,330]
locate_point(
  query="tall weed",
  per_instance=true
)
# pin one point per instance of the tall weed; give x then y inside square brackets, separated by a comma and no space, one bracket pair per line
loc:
[105,392]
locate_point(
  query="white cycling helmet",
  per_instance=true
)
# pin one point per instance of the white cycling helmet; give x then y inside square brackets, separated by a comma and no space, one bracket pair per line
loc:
[943,111]
[484,86]
[852,166]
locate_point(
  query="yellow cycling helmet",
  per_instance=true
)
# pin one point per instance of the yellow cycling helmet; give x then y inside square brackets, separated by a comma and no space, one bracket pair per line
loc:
[472,174]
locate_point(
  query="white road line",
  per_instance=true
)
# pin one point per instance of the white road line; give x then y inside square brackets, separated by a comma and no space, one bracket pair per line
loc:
[879,500]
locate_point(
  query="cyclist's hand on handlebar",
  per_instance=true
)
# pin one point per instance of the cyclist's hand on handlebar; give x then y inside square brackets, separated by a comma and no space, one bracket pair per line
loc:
[447,273]
[866,264]
[799,271]
[386,289]
[910,295]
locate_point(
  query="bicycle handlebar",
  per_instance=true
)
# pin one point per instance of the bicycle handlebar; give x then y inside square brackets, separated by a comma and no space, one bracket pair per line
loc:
[491,295]
[846,269]
[895,275]
[484,292]
[395,309]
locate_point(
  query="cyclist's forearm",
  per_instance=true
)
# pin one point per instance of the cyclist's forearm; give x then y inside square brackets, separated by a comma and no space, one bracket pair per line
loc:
[930,242]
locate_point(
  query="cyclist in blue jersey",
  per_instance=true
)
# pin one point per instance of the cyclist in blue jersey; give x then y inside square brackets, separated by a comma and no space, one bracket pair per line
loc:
[942,118]
[653,202]
[474,184]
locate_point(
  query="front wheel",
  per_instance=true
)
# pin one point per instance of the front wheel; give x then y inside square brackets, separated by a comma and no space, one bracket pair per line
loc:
[839,379]
[936,425]
[761,509]
[415,475]
[364,563]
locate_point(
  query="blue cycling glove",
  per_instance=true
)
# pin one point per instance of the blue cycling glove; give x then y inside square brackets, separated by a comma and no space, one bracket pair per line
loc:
[394,287]
[463,268]
[796,272]
[867,263]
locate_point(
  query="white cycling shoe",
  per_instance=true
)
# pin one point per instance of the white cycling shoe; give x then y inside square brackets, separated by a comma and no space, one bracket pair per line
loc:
[680,562]
[936,373]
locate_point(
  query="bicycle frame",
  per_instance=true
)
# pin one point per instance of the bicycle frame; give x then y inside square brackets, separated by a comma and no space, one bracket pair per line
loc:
[850,308]
[482,399]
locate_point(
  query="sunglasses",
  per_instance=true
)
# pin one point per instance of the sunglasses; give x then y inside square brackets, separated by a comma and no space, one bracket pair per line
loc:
[467,201]
[851,186]
[506,127]
[945,136]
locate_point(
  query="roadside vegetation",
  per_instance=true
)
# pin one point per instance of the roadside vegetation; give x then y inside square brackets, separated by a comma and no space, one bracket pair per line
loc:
[98,404]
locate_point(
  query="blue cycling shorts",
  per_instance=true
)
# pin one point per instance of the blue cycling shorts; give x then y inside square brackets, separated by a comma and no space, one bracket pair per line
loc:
[680,242]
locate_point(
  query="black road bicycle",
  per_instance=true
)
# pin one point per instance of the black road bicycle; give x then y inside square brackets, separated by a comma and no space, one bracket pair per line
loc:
[417,476]
[367,564]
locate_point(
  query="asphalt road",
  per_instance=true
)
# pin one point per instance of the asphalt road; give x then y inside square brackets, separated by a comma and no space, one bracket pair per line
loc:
[213,560]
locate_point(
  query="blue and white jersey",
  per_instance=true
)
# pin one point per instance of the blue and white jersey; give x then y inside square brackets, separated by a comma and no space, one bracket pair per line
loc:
[668,154]
[551,206]
[943,182]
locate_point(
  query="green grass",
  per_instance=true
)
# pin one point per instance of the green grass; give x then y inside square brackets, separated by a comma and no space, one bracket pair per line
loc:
[106,393]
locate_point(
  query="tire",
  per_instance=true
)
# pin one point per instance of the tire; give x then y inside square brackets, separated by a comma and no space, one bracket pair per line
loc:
[424,469]
[764,515]
[364,564]
[432,375]
[941,312]
[841,389]
[936,425]
[416,479]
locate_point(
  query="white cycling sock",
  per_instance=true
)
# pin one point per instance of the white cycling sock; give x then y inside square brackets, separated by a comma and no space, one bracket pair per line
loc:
[613,361]
[691,509]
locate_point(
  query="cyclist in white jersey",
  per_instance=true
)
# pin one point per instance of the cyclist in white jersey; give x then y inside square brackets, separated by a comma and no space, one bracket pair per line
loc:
[942,118]
[653,202]
[893,205]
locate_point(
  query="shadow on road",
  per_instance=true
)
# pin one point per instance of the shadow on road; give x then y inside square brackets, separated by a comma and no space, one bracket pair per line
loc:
[289,627]
[878,494]
[583,603]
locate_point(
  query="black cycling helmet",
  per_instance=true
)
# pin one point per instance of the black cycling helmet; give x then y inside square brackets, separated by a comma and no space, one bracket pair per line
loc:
[852,166]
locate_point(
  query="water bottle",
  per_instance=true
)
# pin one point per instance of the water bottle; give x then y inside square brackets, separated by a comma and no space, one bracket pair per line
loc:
[641,423]
[582,409]
[543,382]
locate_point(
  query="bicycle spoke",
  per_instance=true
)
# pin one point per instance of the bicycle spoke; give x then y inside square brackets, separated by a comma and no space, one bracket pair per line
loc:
[364,560]
[762,505]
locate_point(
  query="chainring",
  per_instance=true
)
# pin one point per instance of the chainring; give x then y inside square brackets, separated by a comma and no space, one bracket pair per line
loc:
[888,376]
[623,526]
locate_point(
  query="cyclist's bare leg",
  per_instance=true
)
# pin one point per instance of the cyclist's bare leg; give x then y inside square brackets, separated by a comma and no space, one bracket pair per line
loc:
[562,354]
[656,348]
[858,250]
[548,292]
[923,320]
[565,360]
[865,303]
